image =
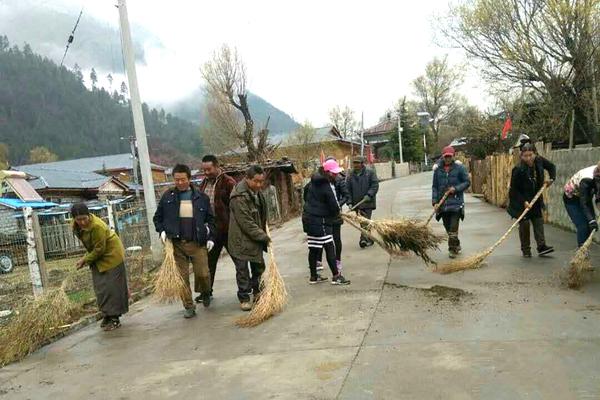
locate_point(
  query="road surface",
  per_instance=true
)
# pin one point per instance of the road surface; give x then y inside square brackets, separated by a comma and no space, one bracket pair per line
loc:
[506,331]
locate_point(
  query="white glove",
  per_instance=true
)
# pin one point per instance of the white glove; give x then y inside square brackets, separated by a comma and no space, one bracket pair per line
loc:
[163,236]
[209,245]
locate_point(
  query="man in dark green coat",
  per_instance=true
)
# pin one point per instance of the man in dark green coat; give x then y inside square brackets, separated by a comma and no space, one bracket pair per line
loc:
[248,238]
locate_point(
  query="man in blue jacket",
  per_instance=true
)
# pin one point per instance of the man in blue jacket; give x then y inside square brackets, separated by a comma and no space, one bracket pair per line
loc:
[450,176]
[184,216]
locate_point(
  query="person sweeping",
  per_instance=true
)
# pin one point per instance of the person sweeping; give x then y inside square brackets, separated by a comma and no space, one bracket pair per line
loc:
[451,177]
[527,178]
[363,185]
[320,214]
[578,197]
[105,257]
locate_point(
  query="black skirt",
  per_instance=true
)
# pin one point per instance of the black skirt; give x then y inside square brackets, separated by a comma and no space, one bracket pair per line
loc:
[318,234]
[112,294]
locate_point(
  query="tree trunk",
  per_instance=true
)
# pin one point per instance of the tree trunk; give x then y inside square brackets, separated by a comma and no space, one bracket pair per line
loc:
[249,129]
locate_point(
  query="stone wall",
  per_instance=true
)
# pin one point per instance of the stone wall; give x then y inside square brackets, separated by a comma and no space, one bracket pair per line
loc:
[384,170]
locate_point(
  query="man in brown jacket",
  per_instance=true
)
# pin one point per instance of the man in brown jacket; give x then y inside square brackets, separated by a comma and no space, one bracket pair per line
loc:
[217,186]
[248,238]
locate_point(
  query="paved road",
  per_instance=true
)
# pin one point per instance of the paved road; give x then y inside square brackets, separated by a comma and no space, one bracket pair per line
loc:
[507,331]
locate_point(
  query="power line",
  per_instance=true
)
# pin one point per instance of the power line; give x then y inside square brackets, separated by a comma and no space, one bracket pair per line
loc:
[71,37]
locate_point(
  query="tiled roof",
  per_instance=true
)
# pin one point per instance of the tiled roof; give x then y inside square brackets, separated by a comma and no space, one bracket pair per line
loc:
[91,164]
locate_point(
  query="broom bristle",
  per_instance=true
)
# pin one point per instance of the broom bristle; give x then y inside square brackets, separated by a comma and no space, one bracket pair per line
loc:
[273,296]
[472,262]
[169,284]
[578,265]
[35,323]
[399,236]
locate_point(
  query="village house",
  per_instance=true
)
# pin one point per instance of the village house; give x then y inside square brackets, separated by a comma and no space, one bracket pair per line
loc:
[378,136]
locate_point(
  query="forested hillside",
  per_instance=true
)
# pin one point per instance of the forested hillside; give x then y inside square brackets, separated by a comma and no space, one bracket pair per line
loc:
[42,104]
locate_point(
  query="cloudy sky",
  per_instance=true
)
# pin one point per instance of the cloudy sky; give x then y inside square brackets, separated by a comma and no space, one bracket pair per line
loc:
[304,57]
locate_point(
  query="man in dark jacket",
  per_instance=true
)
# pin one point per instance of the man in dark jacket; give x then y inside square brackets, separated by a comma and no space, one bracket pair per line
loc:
[217,185]
[526,180]
[321,211]
[185,217]
[363,185]
[450,176]
[248,238]
[342,196]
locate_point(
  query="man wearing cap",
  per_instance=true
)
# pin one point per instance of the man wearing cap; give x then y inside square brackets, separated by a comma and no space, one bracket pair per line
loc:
[449,175]
[363,185]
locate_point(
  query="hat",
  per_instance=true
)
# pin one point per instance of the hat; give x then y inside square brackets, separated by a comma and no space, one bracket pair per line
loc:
[358,159]
[332,166]
[448,151]
[523,138]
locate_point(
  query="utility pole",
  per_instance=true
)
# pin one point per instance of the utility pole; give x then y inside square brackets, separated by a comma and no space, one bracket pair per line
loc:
[400,130]
[140,129]
[425,147]
[362,134]
[134,160]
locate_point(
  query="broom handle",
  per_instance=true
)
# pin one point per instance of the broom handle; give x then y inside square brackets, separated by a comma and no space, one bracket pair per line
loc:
[437,206]
[270,245]
[358,204]
[531,203]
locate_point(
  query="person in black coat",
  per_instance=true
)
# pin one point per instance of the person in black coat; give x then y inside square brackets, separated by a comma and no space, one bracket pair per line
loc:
[580,193]
[363,185]
[527,179]
[341,193]
[320,213]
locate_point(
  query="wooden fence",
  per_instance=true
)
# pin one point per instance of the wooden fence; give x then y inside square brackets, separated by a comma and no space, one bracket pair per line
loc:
[491,177]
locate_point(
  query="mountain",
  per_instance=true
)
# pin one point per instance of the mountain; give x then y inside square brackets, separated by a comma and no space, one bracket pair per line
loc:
[192,108]
[42,104]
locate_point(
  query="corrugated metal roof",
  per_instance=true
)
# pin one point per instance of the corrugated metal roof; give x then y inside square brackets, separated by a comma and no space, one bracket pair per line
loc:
[62,178]
[18,204]
[91,164]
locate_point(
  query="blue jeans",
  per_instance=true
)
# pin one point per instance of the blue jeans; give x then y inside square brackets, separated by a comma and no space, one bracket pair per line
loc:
[578,217]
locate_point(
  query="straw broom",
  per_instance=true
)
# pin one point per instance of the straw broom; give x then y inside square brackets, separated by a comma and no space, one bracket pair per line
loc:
[398,236]
[169,285]
[273,294]
[34,324]
[437,207]
[475,260]
[579,263]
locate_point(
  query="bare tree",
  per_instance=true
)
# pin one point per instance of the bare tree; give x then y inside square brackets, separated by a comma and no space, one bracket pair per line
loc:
[343,119]
[545,46]
[437,91]
[225,77]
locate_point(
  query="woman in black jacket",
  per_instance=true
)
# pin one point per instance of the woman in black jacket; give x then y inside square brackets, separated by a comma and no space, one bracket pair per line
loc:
[321,211]
[526,180]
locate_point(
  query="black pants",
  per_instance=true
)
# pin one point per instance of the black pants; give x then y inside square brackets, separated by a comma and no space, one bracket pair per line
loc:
[451,222]
[337,239]
[247,275]
[213,258]
[314,253]
[367,214]
[538,233]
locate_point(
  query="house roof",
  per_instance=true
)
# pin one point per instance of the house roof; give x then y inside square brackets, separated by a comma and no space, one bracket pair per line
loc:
[381,128]
[18,204]
[91,164]
[50,177]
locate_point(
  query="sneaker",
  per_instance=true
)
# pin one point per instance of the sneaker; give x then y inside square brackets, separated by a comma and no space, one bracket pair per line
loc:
[339,280]
[542,251]
[206,299]
[198,299]
[527,254]
[189,313]
[320,266]
[370,243]
[362,243]
[246,306]
[105,321]
[317,279]
[112,324]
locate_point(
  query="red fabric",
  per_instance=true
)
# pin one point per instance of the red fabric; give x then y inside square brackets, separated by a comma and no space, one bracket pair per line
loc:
[446,168]
[370,156]
[507,127]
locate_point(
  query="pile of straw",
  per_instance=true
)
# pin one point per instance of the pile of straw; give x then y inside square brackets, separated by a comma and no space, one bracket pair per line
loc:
[273,295]
[579,264]
[475,261]
[168,283]
[36,322]
[398,236]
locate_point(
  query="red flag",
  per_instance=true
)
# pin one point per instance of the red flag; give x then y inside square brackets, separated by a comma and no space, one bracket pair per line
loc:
[507,126]
[322,159]
[370,156]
